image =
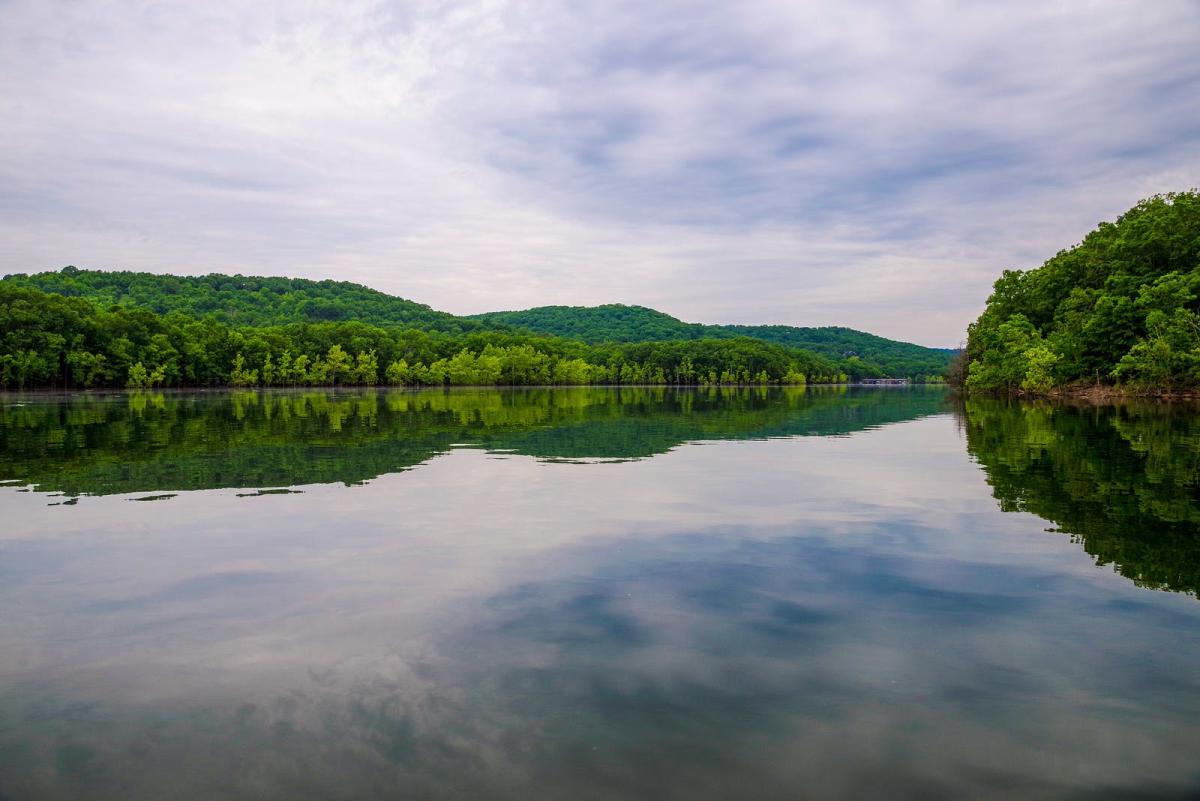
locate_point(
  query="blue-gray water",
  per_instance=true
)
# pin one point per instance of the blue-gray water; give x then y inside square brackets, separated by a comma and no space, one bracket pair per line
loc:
[597,594]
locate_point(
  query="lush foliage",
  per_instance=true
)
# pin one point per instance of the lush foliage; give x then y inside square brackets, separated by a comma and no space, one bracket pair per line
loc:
[1122,306]
[244,300]
[49,340]
[864,355]
[242,303]
[1123,481]
[157,442]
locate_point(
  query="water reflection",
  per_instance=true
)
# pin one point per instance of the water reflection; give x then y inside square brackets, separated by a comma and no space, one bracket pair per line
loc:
[824,617]
[97,445]
[1122,481]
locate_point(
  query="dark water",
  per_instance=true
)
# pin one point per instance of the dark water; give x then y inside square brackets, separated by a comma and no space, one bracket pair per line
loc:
[593,594]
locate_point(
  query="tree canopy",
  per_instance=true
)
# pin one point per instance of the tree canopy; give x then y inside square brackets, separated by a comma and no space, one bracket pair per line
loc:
[244,300]
[254,301]
[874,356]
[50,340]
[1123,306]
[82,328]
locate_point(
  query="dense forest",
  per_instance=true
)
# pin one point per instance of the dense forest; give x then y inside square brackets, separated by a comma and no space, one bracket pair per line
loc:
[867,354]
[1122,307]
[254,302]
[240,300]
[49,340]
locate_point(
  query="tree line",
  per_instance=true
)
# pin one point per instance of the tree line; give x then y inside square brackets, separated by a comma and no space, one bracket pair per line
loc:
[866,355]
[250,301]
[50,340]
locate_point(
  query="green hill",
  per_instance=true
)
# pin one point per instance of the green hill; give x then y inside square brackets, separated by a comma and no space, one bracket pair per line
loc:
[1122,306]
[619,323]
[250,302]
[54,341]
[245,300]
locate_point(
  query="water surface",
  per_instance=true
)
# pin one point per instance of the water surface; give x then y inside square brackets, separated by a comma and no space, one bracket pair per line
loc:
[597,594]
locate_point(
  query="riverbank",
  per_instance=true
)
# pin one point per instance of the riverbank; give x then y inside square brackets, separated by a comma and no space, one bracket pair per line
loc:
[46,391]
[1103,394]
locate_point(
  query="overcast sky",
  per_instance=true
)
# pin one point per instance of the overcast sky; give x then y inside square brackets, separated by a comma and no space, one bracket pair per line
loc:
[871,164]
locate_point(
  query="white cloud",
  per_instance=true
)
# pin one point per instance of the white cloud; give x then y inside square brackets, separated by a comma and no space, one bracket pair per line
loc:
[861,163]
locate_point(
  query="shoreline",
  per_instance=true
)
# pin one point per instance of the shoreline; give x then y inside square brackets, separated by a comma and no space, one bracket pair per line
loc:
[1092,394]
[46,391]
[1107,393]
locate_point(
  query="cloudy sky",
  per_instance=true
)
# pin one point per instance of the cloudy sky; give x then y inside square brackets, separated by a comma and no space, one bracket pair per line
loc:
[872,164]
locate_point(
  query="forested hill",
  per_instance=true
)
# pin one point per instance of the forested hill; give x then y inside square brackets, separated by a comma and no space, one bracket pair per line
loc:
[619,323]
[1122,306]
[245,300]
[250,301]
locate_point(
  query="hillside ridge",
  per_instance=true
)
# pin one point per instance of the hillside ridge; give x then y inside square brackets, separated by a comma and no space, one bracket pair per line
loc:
[614,322]
[257,301]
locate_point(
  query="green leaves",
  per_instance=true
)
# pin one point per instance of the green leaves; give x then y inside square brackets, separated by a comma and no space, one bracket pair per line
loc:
[613,323]
[50,340]
[1013,356]
[1039,363]
[1119,306]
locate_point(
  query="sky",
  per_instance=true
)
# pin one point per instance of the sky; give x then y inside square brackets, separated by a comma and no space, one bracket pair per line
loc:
[859,163]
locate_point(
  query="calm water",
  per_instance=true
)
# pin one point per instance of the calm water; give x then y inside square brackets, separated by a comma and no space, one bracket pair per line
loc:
[597,594]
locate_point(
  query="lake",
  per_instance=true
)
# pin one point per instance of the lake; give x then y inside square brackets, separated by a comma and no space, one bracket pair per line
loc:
[597,594]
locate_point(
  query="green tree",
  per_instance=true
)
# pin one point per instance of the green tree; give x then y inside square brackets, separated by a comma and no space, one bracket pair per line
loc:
[299,371]
[461,369]
[366,368]
[241,375]
[398,373]
[86,369]
[270,374]
[139,378]
[1039,363]
[337,364]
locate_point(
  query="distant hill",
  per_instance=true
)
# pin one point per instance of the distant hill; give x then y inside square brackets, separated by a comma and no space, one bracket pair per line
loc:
[250,301]
[245,300]
[619,323]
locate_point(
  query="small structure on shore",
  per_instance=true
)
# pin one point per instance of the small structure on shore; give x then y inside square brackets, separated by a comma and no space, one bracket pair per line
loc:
[874,382]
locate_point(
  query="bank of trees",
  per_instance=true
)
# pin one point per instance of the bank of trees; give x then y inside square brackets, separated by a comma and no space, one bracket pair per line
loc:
[51,340]
[1123,306]
[250,301]
[866,355]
